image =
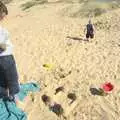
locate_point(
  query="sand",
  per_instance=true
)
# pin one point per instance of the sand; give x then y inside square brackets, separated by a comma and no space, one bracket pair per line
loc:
[40,36]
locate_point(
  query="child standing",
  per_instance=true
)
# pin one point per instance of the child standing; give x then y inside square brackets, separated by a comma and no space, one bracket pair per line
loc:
[9,84]
[89,30]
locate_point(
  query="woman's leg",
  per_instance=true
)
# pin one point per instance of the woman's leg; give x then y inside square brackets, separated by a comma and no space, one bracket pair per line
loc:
[92,36]
[87,37]
[11,76]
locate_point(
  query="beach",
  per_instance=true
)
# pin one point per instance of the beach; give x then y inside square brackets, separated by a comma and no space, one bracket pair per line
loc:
[43,35]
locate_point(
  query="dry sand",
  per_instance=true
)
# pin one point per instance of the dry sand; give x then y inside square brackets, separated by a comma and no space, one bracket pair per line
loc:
[40,37]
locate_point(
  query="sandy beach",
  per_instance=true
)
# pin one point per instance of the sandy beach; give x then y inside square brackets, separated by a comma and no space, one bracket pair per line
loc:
[45,34]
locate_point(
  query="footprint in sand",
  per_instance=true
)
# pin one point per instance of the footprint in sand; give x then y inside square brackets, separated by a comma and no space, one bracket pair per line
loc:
[46,99]
[72,97]
[59,89]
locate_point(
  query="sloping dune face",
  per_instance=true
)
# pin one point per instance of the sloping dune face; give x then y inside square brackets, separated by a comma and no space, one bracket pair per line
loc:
[49,48]
[87,8]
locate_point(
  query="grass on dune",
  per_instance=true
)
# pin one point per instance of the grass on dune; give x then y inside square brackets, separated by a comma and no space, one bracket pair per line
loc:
[78,8]
[6,1]
[91,7]
[32,3]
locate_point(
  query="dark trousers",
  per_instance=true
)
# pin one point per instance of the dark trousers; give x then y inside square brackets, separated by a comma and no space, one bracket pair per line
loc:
[9,75]
[89,35]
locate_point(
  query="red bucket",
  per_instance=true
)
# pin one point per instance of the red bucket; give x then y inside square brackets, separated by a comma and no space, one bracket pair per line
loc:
[107,87]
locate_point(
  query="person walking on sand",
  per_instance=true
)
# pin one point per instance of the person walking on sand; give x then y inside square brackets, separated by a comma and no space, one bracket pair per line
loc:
[9,84]
[89,30]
